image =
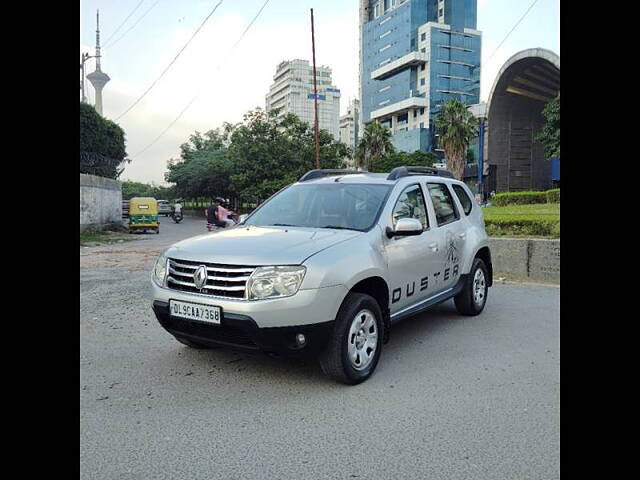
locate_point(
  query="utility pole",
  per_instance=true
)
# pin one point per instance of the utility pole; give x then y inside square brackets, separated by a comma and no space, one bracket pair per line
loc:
[315,92]
[84,57]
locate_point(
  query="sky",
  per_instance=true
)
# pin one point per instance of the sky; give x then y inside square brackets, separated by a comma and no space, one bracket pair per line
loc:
[223,82]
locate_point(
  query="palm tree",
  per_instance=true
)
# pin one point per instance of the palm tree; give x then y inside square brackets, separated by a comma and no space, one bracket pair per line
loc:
[374,146]
[457,127]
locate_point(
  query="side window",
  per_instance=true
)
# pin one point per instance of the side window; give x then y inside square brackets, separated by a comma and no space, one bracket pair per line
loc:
[410,204]
[463,196]
[442,203]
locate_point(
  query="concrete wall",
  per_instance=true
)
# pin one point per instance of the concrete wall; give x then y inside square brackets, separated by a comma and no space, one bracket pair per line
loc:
[536,260]
[100,201]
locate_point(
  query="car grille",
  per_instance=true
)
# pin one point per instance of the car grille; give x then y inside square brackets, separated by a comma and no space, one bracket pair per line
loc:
[227,281]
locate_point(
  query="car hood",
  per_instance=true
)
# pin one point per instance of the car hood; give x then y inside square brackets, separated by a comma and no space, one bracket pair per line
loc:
[259,245]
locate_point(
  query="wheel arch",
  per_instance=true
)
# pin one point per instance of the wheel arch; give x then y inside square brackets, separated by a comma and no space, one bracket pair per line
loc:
[485,255]
[376,287]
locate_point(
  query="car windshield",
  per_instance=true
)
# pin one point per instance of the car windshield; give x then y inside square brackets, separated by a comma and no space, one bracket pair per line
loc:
[325,205]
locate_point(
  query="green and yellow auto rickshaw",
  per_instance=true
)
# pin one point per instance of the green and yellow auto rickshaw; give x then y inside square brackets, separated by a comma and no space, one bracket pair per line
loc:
[143,214]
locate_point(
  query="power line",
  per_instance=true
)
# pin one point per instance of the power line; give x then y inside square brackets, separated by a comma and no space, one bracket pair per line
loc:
[175,120]
[134,25]
[171,63]
[510,31]
[123,22]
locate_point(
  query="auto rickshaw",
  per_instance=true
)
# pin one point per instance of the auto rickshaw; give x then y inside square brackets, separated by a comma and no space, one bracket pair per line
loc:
[143,214]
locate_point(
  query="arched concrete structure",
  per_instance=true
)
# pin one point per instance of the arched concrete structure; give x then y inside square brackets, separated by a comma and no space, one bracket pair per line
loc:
[525,83]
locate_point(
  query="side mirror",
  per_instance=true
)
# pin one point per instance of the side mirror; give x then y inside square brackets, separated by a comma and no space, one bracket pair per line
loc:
[242,218]
[405,227]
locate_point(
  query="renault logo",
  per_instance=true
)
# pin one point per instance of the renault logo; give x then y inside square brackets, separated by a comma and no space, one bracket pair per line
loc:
[200,277]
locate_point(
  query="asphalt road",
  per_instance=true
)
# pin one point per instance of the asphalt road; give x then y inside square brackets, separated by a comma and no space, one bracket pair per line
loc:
[452,398]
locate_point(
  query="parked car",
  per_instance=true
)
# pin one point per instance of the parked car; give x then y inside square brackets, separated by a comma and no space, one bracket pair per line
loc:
[164,208]
[125,208]
[327,266]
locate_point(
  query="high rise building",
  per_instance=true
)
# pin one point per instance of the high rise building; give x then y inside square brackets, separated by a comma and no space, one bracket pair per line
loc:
[98,78]
[292,92]
[349,125]
[416,55]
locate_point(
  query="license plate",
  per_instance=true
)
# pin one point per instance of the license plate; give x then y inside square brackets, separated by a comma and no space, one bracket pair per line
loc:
[195,311]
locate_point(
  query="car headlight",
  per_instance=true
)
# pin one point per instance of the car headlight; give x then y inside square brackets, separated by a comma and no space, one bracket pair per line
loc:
[273,282]
[160,269]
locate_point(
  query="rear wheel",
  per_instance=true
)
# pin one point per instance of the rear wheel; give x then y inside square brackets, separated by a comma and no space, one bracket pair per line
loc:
[354,349]
[473,297]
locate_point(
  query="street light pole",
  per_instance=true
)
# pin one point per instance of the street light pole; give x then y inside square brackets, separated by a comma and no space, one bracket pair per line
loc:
[83,58]
[481,160]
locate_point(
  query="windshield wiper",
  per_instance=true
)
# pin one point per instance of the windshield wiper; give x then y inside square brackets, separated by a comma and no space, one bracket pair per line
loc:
[282,225]
[337,227]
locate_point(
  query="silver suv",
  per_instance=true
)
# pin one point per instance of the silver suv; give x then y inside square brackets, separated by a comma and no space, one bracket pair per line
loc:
[327,265]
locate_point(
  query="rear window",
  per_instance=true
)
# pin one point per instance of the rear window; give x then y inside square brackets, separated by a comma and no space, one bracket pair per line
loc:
[443,204]
[463,196]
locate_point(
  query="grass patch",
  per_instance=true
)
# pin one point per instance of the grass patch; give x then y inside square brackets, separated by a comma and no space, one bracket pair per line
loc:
[533,220]
[92,239]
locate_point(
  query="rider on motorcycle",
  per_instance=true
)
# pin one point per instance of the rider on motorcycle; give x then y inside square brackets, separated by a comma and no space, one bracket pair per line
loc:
[176,211]
[218,215]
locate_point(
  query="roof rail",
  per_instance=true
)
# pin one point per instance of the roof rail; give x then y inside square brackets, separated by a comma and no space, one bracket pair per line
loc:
[325,172]
[405,171]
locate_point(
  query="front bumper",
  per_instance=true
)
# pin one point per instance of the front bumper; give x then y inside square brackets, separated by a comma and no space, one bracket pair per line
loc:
[306,307]
[241,332]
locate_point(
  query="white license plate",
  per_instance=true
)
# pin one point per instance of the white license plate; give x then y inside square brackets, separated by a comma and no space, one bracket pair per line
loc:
[195,311]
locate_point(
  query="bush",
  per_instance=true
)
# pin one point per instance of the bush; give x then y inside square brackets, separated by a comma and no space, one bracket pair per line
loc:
[518,198]
[553,196]
[522,227]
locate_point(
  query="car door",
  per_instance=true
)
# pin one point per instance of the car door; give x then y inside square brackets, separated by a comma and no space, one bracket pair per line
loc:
[451,235]
[410,259]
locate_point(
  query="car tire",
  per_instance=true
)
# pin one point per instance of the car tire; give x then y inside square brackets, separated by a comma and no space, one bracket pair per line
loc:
[473,297]
[192,344]
[350,344]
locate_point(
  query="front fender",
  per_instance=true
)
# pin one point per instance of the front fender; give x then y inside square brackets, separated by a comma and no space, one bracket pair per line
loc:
[347,263]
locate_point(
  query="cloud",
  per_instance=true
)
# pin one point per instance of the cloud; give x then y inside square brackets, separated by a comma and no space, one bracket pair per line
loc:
[230,85]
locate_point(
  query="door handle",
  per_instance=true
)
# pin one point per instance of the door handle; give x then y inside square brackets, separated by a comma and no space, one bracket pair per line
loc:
[462,235]
[433,246]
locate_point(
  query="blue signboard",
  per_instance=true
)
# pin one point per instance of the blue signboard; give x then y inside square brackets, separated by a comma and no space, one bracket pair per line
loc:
[320,96]
[555,169]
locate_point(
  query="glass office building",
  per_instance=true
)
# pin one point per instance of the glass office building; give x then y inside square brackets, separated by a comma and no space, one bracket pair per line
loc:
[415,55]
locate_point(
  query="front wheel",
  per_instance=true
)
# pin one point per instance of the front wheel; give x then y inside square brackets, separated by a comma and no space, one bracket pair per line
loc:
[473,297]
[354,349]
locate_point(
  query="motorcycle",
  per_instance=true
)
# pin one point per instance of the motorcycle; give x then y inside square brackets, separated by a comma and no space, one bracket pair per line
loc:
[233,216]
[176,218]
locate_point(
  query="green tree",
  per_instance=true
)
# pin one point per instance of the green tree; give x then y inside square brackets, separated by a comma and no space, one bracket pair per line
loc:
[132,189]
[203,167]
[102,144]
[457,127]
[268,154]
[398,159]
[374,147]
[550,134]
